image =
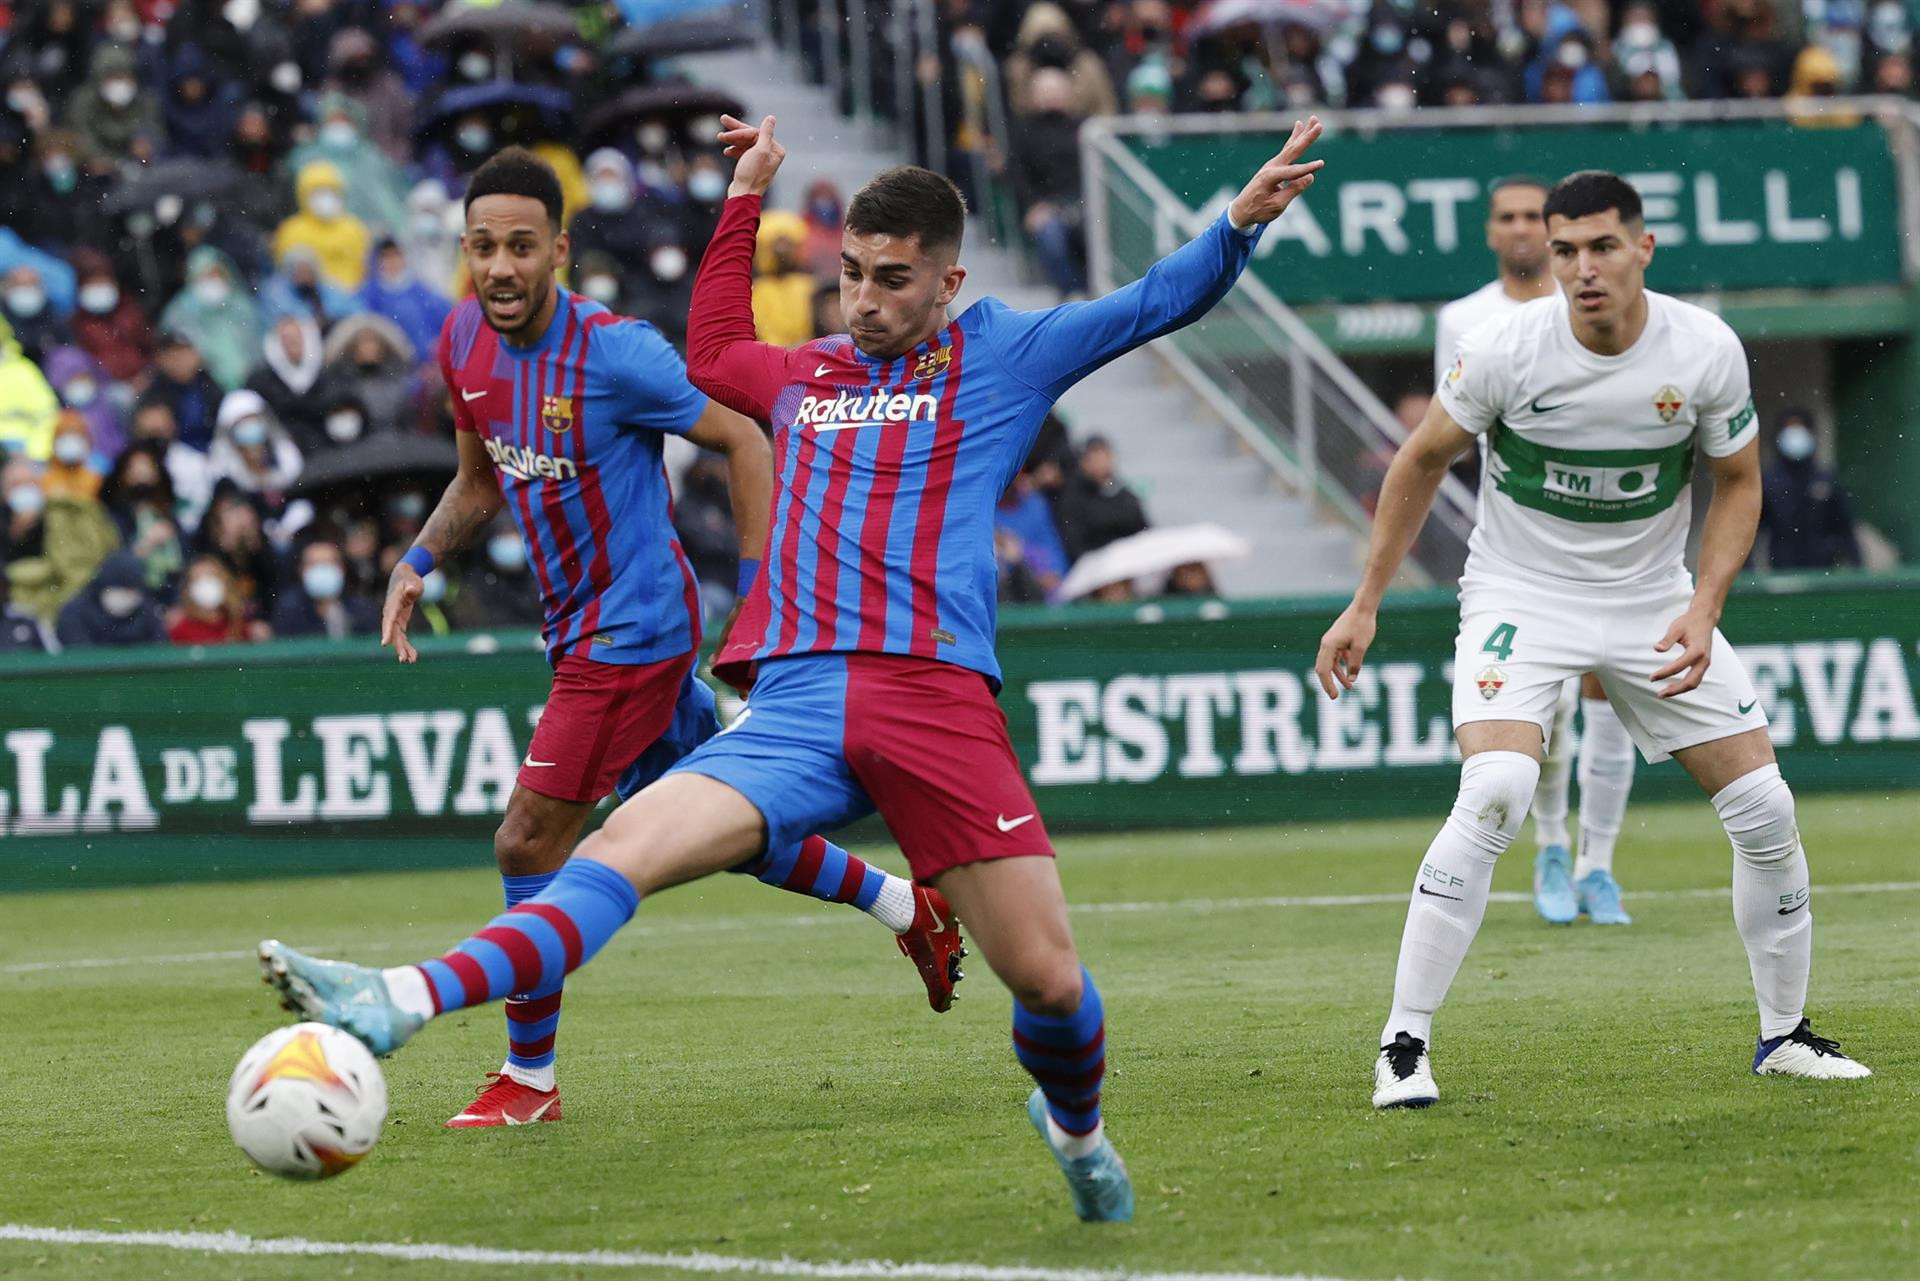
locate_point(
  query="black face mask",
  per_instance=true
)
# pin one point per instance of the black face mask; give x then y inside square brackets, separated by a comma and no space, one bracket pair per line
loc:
[1052,51]
[143,495]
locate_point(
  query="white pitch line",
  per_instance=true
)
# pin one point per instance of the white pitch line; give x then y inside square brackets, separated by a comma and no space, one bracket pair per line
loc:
[693,1261]
[809,920]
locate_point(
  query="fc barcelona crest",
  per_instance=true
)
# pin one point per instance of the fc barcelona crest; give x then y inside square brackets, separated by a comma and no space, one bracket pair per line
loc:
[934,363]
[556,413]
[1668,401]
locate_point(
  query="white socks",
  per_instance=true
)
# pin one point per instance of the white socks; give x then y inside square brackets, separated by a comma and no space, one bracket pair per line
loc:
[1074,1146]
[1556,772]
[533,1078]
[1606,780]
[1450,892]
[893,905]
[407,985]
[1770,894]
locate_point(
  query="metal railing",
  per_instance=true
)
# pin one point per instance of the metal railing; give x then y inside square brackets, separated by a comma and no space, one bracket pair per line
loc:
[1295,405]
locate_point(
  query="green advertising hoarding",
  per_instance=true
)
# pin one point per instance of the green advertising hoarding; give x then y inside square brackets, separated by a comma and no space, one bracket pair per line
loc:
[314,757]
[1398,213]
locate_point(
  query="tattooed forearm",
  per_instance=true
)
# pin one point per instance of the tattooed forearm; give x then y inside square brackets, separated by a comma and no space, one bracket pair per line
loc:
[466,509]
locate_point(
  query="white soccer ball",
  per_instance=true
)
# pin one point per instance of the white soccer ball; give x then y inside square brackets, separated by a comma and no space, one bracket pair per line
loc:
[306,1101]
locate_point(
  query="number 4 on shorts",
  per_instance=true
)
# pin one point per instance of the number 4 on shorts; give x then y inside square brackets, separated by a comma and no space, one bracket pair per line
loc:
[1500,642]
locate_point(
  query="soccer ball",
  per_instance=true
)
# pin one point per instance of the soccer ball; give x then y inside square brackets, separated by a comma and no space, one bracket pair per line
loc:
[306,1101]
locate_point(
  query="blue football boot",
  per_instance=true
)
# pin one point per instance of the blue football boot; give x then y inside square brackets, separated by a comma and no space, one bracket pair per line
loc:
[1553,895]
[1600,898]
[1102,1192]
[353,998]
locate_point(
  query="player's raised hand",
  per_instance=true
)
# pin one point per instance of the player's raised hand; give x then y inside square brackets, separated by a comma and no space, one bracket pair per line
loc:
[1693,633]
[759,155]
[1344,648]
[1267,195]
[403,589]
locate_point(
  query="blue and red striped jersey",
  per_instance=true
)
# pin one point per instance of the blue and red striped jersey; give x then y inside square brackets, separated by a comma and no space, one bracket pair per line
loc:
[573,424]
[887,471]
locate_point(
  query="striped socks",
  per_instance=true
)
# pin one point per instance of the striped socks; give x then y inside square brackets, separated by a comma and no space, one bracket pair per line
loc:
[533,1019]
[537,943]
[818,867]
[1068,1058]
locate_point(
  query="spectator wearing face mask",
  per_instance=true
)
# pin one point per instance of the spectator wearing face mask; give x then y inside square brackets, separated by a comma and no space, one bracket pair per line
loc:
[825,215]
[109,113]
[599,277]
[356,72]
[299,289]
[107,323]
[1803,510]
[340,240]
[233,532]
[620,219]
[115,608]
[1645,63]
[70,471]
[51,544]
[395,293]
[291,379]
[369,359]
[1045,168]
[216,312]
[431,238]
[665,282]
[499,590]
[55,38]
[253,451]
[26,307]
[65,196]
[1567,46]
[21,632]
[210,611]
[373,189]
[27,403]
[138,495]
[181,381]
[706,191]
[81,385]
[318,604]
[1047,39]
[187,474]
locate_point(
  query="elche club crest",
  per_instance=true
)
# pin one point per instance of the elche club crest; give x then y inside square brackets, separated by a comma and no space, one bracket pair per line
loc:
[934,363]
[1490,681]
[556,413]
[1667,402]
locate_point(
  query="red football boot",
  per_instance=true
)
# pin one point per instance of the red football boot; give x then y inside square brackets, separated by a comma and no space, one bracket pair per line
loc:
[504,1101]
[934,945]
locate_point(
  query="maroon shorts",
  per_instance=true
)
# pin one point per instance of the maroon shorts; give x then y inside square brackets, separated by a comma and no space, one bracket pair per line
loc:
[830,738]
[599,718]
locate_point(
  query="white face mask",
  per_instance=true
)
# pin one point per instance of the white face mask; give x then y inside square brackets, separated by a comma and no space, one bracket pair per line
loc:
[344,427]
[212,290]
[1394,98]
[475,65]
[26,500]
[80,393]
[120,601]
[26,301]
[707,185]
[602,289]
[475,139]
[428,226]
[286,78]
[669,263]
[609,195]
[652,137]
[207,592]
[99,299]
[124,30]
[323,581]
[241,13]
[117,92]
[327,204]
[1795,442]
[249,432]
[70,449]
[338,133]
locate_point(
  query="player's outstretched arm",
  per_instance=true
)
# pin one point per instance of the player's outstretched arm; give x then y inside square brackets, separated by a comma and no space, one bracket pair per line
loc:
[724,358]
[1406,496]
[1726,540]
[1051,350]
[471,502]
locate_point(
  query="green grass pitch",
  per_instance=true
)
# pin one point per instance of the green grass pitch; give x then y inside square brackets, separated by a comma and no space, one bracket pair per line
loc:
[755,1075]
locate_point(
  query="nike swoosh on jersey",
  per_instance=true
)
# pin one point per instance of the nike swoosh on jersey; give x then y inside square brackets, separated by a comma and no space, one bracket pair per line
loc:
[473,395]
[1747,707]
[1006,824]
[1539,408]
[822,371]
[530,763]
[1457,898]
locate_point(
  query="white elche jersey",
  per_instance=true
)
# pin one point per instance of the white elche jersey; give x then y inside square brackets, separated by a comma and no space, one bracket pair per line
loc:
[1589,456]
[1462,314]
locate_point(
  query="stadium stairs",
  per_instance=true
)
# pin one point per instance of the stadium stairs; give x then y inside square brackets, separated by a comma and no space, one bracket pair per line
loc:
[1185,462]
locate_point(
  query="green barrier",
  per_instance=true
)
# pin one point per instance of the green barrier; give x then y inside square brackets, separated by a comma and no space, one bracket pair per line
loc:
[301,757]
[1398,212]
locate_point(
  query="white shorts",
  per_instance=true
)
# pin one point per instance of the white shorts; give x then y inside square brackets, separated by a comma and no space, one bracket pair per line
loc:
[1519,645]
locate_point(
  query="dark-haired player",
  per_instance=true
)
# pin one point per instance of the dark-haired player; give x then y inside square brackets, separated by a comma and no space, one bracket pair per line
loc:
[561,408]
[1592,403]
[870,633]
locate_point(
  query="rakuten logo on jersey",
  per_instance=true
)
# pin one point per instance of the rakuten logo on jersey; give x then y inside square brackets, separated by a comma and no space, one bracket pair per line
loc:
[524,464]
[874,409]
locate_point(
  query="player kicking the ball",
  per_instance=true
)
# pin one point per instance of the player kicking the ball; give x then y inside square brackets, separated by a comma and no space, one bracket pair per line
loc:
[871,629]
[561,408]
[1591,403]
